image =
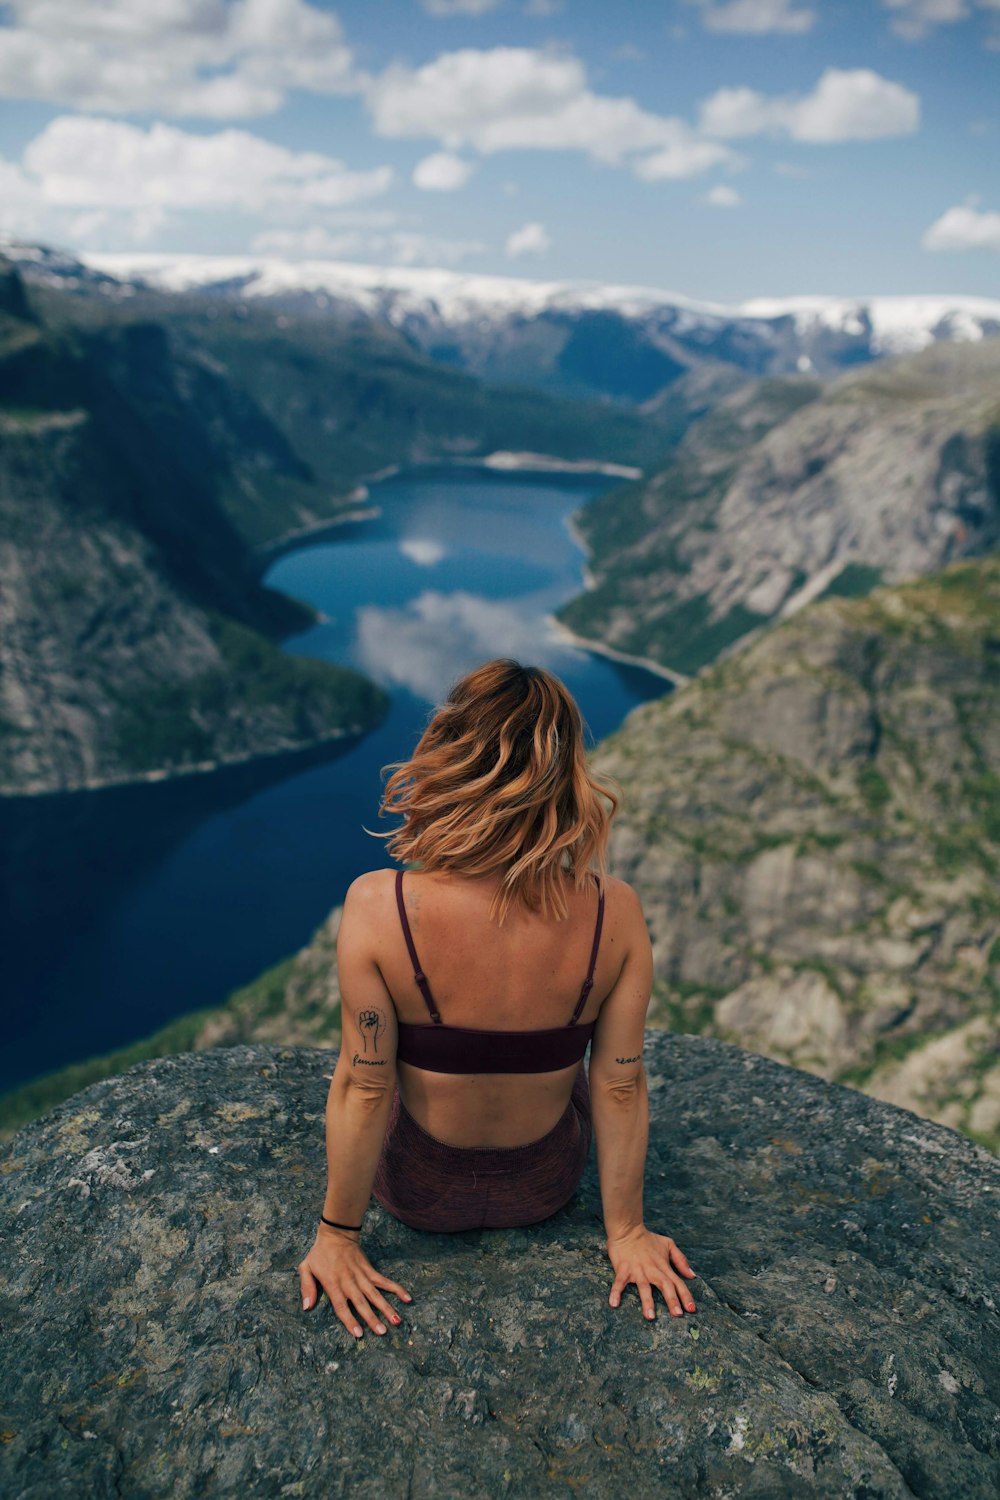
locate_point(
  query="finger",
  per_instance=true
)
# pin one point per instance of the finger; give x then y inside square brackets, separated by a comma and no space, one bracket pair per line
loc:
[669,1291]
[308,1286]
[685,1295]
[390,1286]
[646,1298]
[359,1302]
[375,1297]
[345,1315]
[680,1260]
[620,1283]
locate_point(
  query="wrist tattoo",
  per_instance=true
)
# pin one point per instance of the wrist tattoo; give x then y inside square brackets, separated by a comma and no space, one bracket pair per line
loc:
[636,1058]
[366,1062]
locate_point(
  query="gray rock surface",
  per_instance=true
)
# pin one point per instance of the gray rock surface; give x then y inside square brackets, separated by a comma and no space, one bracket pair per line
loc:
[845,1342]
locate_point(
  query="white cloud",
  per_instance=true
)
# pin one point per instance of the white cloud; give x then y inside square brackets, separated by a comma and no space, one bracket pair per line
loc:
[400,247]
[101,181]
[426,552]
[846,105]
[78,160]
[530,239]
[175,57]
[722,196]
[964,228]
[442,172]
[520,98]
[459,7]
[756,17]
[915,19]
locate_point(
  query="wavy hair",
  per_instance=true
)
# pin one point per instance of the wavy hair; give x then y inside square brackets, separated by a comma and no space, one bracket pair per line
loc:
[499,782]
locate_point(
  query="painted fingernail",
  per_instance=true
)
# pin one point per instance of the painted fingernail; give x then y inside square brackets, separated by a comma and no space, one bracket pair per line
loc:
[395,1318]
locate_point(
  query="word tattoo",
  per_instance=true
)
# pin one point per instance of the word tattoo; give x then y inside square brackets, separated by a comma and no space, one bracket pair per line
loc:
[366,1062]
[628,1059]
[371,1023]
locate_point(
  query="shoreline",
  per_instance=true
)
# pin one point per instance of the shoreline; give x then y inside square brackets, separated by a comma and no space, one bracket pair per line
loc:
[178,773]
[598,648]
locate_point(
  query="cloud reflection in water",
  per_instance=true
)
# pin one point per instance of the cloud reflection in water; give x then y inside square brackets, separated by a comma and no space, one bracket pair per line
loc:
[436,637]
[424,551]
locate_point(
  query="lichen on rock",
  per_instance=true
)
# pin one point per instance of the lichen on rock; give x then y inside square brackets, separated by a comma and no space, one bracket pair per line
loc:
[845,1343]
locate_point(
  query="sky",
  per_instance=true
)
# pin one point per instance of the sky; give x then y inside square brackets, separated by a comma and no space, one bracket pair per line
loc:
[722,149]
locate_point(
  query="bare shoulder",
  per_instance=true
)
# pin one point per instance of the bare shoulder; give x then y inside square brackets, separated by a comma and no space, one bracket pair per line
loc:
[367,900]
[370,889]
[623,900]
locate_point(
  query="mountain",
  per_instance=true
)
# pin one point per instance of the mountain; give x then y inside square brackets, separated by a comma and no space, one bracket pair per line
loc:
[813,825]
[343,398]
[789,488]
[574,338]
[136,639]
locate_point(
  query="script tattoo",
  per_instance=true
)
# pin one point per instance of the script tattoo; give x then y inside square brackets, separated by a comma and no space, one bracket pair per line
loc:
[628,1059]
[366,1062]
[371,1023]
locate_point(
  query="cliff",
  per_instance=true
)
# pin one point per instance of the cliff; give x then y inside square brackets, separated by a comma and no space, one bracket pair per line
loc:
[135,639]
[845,1343]
[788,489]
[812,825]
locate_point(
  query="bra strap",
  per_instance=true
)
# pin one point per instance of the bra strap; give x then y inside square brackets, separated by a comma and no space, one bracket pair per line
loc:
[418,974]
[588,983]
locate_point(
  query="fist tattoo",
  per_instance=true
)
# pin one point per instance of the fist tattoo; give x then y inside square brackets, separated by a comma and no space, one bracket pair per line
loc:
[371,1024]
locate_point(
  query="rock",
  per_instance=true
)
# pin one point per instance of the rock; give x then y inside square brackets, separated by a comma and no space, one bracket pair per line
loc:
[845,1342]
[787,488]
[813,827]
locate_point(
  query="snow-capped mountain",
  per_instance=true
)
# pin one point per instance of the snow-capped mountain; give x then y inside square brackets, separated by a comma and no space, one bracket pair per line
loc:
[573,337]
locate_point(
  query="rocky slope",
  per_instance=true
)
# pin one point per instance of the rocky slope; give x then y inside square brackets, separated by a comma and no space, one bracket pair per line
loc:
[134,637]
[787,489]
[845,1341]
[813,825]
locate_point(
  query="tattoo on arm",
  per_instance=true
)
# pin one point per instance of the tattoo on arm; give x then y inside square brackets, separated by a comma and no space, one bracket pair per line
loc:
[636,1058]
[366,1062]
[371,1024]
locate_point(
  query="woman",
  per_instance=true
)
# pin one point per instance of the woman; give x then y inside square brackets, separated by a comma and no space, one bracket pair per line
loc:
[455,1124]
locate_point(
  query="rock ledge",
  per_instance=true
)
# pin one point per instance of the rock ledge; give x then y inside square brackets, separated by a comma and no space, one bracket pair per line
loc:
[846,1343]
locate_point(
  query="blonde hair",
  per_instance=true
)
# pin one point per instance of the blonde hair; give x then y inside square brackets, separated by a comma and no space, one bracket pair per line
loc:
[499,781]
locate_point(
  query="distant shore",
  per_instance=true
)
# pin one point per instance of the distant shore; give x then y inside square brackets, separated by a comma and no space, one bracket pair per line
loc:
[598,648]
[501,461]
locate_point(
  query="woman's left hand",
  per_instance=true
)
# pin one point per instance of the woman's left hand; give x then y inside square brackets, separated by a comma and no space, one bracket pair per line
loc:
[643,1257]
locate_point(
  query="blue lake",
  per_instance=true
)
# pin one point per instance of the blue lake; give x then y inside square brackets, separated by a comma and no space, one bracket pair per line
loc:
[126,908]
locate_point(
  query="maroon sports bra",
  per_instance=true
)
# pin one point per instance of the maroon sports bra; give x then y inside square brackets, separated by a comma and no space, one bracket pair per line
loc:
[464,1049]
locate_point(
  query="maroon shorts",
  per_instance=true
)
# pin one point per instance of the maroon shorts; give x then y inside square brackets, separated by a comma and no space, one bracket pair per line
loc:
[429,1184]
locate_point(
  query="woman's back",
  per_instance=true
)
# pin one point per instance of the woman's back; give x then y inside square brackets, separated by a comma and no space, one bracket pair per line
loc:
[522,975]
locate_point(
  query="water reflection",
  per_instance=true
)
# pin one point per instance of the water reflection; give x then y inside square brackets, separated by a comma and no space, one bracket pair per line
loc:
[436,637]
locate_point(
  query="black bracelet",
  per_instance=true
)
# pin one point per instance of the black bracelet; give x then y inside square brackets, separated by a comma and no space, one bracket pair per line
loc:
[334,1225]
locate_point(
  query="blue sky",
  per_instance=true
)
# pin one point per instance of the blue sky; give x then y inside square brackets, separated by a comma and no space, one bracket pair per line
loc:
[720,148]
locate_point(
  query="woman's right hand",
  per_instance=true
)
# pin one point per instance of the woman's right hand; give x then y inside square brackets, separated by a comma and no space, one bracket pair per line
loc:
[643,1257]
[337,1264]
